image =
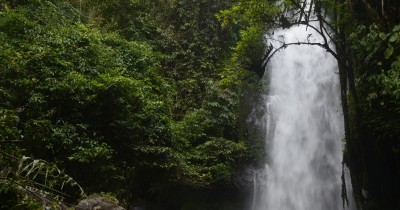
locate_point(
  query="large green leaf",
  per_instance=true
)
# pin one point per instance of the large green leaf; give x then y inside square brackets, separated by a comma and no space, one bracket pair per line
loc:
[389,51]
[394,37]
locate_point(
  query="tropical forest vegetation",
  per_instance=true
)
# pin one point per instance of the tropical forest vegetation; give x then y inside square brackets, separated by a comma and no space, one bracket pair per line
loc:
[152,103]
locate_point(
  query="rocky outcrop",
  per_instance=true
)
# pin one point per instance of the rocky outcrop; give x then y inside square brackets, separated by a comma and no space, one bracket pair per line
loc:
[97,203]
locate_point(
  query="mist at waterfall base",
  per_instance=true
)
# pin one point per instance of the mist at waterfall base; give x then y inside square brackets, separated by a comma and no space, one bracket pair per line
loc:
[304,129]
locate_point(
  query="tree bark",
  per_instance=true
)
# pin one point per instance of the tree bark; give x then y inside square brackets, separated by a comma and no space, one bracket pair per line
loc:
[349,92]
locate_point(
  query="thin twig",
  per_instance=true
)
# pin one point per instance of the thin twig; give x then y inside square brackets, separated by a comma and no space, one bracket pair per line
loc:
[8,155]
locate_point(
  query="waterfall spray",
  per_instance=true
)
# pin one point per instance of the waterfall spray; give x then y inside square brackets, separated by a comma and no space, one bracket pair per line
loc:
[305,142]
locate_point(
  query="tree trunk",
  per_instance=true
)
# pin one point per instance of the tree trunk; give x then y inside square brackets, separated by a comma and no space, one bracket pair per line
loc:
[351,112]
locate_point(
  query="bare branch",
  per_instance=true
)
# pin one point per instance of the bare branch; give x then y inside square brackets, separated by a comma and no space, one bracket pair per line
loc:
[8,155]
[302,11]
[276,40]
[290,44]
[323,45]
[310,10]
[323,28]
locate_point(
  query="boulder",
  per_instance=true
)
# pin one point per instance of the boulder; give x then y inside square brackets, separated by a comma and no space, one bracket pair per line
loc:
[97,203]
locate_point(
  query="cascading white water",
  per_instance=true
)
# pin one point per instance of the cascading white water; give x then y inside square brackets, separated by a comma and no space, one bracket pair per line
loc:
[305,128]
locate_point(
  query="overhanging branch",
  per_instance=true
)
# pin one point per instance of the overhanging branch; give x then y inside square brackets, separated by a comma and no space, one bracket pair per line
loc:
[322,45]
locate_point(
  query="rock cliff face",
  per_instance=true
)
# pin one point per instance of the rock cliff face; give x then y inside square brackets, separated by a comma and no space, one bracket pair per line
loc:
[97,203]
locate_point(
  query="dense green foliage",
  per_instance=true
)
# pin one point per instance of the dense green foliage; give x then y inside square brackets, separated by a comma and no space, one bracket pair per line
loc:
[378,82]
[126,96]
[147,100]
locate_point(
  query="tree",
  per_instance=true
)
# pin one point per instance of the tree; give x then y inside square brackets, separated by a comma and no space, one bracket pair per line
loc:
[328,19]
[122,104]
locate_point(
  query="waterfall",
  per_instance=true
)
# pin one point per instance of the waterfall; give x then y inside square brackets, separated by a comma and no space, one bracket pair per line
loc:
[304,123]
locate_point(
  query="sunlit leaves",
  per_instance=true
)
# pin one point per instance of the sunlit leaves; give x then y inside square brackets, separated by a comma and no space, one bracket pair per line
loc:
[249,12]
[91,151]
[8,125]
